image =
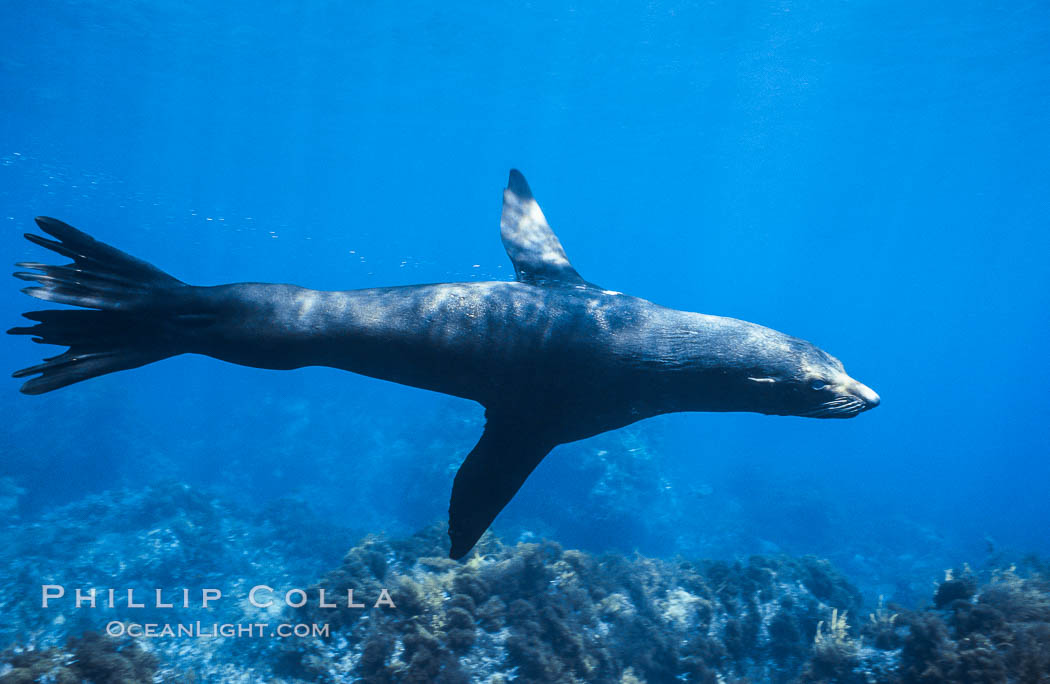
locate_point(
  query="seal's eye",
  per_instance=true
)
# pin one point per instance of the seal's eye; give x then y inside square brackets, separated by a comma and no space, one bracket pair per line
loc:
[818,384]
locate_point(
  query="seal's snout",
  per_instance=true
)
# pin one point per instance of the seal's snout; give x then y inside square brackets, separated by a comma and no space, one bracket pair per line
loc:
[867,395]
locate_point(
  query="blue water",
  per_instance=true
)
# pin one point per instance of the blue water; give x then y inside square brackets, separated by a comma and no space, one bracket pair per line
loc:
[872,177]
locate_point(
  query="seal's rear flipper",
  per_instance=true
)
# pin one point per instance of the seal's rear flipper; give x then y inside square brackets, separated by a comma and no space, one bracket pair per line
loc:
[133,326]
[100,277]
[489,478]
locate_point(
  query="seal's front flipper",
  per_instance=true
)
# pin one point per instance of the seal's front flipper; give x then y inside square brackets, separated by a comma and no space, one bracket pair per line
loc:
[534,249]
[490,477]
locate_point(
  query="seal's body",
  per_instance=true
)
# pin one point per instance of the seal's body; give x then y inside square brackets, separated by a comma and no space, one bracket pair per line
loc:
[552,357]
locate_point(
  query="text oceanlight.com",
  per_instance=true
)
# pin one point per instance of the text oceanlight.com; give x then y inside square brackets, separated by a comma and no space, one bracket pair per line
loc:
[256,630]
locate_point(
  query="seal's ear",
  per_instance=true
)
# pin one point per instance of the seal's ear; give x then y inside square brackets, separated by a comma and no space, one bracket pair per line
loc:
[533,248]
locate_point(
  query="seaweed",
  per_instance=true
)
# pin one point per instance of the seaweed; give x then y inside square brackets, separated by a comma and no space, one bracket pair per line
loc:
[528,612]
[999,632]
[91,657]
[535,612]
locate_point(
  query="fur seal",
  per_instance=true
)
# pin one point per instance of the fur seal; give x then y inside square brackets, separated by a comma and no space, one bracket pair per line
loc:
[551,356]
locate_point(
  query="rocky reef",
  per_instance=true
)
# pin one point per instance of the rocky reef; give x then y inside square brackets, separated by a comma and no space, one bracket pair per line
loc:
[166,535]
[996,632]
[535,612]
[397,610]
[92,657]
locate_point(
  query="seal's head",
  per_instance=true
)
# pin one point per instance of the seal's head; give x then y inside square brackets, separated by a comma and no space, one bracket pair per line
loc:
[795,378]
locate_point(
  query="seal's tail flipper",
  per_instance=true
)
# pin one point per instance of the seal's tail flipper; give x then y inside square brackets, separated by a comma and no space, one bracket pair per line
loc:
[491,475]
[131,327]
